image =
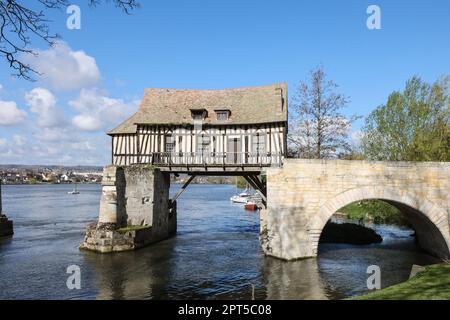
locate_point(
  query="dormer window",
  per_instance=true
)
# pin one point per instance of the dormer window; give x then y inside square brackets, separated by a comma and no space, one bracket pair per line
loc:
[199,114]
[222,115]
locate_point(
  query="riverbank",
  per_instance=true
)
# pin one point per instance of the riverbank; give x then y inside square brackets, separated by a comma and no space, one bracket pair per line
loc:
[431,284]
[373,211]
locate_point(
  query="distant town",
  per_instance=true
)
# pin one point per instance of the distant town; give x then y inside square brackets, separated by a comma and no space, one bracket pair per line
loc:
[42,174]
[24,174]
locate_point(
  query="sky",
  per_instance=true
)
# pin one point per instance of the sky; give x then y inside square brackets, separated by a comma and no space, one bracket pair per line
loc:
[95,77]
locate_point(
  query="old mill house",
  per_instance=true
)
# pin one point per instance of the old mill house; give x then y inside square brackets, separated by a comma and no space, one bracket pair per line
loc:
[241,127]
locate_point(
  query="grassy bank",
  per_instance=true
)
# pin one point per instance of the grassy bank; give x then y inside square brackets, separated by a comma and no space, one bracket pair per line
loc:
[375,211]
[431,284]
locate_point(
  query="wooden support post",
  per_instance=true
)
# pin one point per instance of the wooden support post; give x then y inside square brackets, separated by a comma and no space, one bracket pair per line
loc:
[250,179]
[259,183]
[183,188]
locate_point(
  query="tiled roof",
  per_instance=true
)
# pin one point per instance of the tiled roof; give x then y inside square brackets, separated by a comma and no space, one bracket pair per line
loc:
[249,105]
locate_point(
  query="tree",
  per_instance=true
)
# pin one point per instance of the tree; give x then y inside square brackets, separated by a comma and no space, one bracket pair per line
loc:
[22,21]
[317,128]
[414,125]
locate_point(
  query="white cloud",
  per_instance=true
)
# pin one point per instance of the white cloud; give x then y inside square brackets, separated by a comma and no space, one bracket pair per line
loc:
[63,134]
[19,140]
[43,103]
[357,136]
[10,114]
[87,122]
[49,135]
[55,146]
[82,146]
[65,69]
[52,139]
[99,112]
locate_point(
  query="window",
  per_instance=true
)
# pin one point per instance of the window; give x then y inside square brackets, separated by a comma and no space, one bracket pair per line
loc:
[199,114]
[169,143]
[259,143]
[222,115]
[203,144]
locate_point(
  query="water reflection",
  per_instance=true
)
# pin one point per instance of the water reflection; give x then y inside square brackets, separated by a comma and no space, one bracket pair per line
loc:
[293,280]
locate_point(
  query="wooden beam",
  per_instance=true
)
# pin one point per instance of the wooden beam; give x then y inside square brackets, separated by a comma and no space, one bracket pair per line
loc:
[251,182]
[256,187]
[112,154]
[138,146]
[259,183]
[183,188]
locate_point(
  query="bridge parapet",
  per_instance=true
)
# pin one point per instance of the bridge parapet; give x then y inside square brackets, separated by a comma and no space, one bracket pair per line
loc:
[304,194]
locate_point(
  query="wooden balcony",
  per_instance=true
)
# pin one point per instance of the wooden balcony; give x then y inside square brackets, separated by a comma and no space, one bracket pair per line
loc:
[208,162]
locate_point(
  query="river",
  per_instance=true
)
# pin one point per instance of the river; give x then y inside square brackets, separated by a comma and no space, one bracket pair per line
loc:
[215,255]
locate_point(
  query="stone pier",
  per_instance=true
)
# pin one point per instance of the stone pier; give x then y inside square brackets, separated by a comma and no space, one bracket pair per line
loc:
[135,210]
[6,225]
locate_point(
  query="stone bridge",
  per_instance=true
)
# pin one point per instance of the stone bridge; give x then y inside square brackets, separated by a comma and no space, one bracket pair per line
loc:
[136,210]
[304,194]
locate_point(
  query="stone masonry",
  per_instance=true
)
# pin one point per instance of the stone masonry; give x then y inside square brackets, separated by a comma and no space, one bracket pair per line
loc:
[304,194]
[135,210]
[6,225]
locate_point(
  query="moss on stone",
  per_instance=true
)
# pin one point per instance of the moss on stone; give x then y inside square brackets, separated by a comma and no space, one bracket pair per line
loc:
[132,228]
[150,167]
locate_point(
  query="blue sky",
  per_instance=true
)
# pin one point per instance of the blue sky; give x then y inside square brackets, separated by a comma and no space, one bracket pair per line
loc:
[210,44]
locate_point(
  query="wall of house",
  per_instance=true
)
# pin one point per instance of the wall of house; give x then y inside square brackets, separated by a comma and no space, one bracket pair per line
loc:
[139,148]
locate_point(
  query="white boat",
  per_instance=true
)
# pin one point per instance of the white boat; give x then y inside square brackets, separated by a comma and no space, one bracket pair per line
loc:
[243,197]
[74,191]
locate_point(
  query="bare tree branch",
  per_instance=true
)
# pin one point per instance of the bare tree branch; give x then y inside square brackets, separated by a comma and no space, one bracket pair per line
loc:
[21,24]
[318,129]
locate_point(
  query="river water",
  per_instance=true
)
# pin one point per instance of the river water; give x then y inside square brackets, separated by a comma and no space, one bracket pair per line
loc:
[215,255]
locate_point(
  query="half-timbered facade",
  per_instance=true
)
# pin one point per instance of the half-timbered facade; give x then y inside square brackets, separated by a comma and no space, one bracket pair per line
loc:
[230,127]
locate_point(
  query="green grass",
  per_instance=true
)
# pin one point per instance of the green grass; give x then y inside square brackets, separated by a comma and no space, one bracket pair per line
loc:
[132,228]
[373,211]
[431,284]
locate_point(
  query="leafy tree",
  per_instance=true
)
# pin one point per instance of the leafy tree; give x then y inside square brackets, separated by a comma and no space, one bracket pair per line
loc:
[414,125]
[375,211]
[317,128]
[22,21]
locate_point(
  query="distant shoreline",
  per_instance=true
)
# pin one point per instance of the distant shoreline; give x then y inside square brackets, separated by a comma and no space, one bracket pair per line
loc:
[98,183]
[47,184]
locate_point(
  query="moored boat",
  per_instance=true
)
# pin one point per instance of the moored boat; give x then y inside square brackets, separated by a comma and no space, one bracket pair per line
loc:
[243,197]
[251,206]
[74,191]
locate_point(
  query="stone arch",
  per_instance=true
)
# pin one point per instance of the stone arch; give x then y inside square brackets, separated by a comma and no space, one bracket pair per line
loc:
[430,221]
